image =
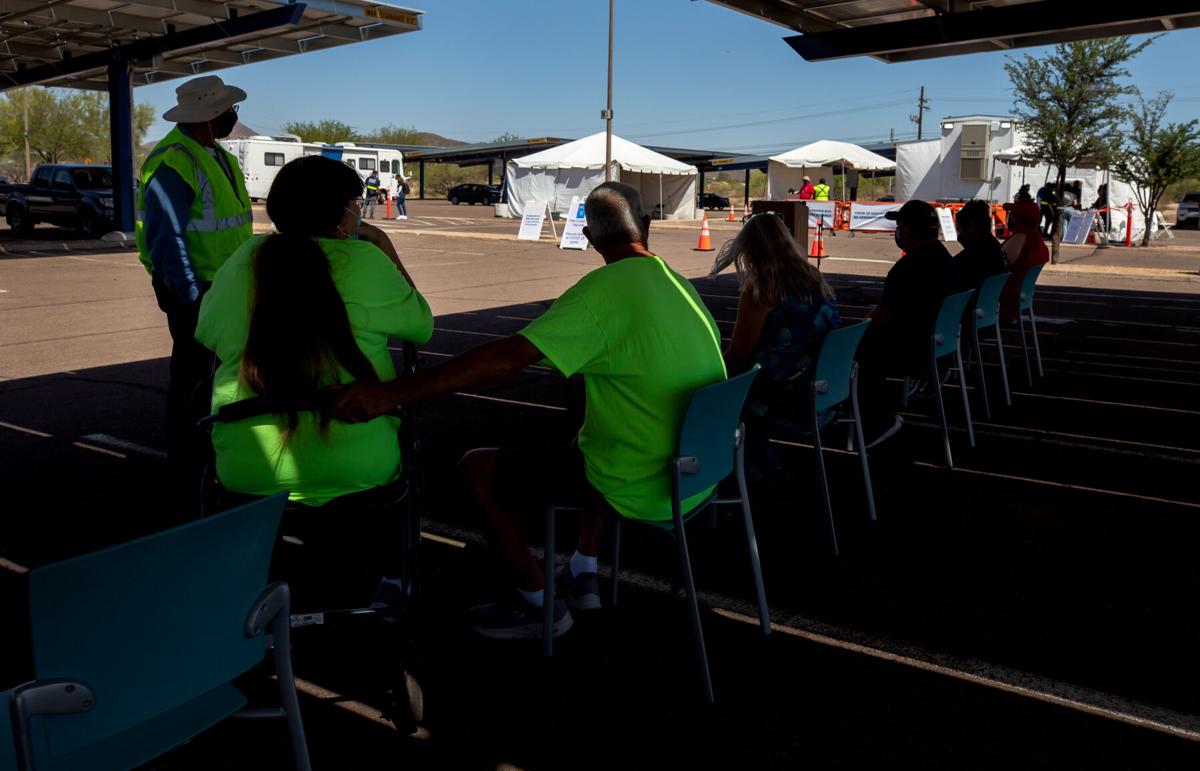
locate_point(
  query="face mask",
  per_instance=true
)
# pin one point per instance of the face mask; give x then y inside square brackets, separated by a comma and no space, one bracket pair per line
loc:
[896,236]
[222,125]
[357,223]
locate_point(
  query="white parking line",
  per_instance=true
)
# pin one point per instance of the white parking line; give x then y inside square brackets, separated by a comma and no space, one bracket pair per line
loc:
[13,567]
[24,430]
[112,441]
[511,401]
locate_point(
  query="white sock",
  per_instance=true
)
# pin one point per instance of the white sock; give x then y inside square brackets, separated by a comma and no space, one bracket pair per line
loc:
[534,598]
[581,563]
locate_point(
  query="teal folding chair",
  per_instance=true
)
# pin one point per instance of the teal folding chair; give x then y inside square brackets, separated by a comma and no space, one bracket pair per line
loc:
[711,447]
[1025,307]
[135,646]
[945,342]
[8,747]
[835,381]
[987,314]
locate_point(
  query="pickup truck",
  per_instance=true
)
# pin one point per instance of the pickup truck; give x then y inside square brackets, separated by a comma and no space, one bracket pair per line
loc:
[65,194]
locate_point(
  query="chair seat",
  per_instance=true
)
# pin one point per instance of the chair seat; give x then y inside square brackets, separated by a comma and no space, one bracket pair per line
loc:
[667,525]
[154,737]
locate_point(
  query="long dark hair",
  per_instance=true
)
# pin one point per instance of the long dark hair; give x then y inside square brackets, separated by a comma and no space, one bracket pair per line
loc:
[299,330]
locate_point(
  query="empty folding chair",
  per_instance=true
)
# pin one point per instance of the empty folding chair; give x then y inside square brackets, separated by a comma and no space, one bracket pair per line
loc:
[711,446]
[987,314]
[8,747]
[135,647]
[1025,307]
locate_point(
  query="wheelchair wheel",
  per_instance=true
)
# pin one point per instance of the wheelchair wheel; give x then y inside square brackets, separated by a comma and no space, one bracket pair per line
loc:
[405,705]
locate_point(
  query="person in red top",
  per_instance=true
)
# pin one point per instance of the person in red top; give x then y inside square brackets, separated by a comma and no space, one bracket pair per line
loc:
[806,192]
[1023,249]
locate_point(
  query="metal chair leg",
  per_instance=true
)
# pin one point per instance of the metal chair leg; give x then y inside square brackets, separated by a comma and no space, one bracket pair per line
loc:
[548,587]
[616,561]
[941,407]
[1003,366]
[987,407]
[862,445]
[904,392]
[962,384]
[1037,348]
[820,453]
[689,586]
[760,592]
[1024,349]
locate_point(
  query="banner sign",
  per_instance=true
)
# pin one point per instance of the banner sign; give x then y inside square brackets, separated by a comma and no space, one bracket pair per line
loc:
[818,210]
[532,220]
[573,237]
[1078,226]
[869,216]
[946,220]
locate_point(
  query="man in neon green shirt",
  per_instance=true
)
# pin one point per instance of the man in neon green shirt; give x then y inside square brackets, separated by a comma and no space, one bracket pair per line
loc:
[644,342]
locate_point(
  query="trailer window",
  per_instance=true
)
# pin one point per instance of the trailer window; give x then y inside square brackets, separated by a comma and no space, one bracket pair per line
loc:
[385,166]
[366,164]
[273,159]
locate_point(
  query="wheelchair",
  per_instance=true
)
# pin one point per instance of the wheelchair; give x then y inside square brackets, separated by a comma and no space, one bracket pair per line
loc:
[356,539]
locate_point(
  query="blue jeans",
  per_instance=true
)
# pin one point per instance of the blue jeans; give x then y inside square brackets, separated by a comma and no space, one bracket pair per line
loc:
[401,209]
[369,209]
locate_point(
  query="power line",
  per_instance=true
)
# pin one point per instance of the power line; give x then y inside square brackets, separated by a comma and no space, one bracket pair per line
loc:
[806,116]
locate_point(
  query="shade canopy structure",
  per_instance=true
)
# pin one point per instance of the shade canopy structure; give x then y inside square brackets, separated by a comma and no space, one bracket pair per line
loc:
[554,176]
[911,30]
[819,160]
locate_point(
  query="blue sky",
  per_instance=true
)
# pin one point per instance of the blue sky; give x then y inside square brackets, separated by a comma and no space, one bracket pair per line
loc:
[688,73]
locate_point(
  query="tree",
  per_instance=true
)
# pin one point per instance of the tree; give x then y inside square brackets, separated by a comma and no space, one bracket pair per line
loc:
[507,136]
[1154,156]
[323,131]
[395,135]
[1068,104]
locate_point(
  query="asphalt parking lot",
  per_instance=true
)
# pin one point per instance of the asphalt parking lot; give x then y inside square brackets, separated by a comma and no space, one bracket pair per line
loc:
[1030,609]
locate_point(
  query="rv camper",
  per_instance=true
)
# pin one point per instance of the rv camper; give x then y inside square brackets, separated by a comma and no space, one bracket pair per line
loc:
[261,158]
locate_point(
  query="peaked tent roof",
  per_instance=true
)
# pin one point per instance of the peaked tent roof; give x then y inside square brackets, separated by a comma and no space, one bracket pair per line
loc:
[588,153]
[829,153]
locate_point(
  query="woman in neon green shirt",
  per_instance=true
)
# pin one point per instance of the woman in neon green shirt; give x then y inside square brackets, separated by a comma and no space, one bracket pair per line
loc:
[289,314]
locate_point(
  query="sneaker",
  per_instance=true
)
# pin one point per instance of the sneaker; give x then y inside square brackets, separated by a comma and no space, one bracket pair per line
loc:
[581,592]
[888,434]
[515,619]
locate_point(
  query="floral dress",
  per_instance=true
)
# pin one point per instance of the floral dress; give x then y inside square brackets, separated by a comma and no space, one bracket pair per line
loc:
[790,339]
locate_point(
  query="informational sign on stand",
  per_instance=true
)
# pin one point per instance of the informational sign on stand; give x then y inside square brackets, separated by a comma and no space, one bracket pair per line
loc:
[1078,227]
[573,237]
[869,216]
[532,220]
[946,220]
[820,210]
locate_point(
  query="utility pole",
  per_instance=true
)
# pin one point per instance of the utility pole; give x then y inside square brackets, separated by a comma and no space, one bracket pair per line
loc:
[919,118]
[607,112]
[25,111]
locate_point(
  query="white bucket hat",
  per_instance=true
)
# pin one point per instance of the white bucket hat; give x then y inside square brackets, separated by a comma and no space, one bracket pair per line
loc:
[202,99]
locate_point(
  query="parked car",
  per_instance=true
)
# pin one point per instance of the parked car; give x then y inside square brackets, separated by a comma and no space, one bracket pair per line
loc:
[713,201]
[473,194]
[1188,215]
[65,194]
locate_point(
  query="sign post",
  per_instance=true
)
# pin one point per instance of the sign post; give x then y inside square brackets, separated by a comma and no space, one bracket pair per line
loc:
[573,237]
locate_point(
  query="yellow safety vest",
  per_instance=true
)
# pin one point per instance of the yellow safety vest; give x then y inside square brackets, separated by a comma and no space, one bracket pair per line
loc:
[821,192]
[219,220]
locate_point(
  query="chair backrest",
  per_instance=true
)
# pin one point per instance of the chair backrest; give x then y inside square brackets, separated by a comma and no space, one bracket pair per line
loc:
[710,429]
[946,328]
[152,624]
[987,304]
[1027,284]
[8,746]
[835,362]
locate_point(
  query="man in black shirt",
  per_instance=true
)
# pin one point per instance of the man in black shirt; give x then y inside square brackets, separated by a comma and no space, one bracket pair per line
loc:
[897,342]
[981,256]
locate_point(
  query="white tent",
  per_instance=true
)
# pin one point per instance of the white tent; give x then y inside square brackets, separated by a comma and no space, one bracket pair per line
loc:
[818,160]
[576,168]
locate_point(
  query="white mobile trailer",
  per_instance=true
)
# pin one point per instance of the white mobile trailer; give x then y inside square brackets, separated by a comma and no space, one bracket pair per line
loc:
[262,157]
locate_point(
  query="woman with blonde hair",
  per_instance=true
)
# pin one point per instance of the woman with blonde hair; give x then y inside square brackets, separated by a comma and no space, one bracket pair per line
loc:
[785,307]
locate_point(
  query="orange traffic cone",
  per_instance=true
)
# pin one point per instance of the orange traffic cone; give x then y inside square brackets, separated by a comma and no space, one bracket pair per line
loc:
[746,209]
[732,217]
[705,244]
[818,243]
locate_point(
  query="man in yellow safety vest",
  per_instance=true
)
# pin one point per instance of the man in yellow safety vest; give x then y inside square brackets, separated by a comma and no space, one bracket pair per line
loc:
[821,191]
[193,211]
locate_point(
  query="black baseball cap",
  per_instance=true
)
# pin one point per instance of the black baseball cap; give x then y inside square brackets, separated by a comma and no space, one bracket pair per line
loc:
[915,214]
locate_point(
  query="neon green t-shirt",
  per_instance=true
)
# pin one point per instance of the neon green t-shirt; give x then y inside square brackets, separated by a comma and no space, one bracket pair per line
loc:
[643,341]
[251,455]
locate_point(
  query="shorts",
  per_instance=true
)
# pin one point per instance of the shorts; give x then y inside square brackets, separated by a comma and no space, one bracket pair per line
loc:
[528,478]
